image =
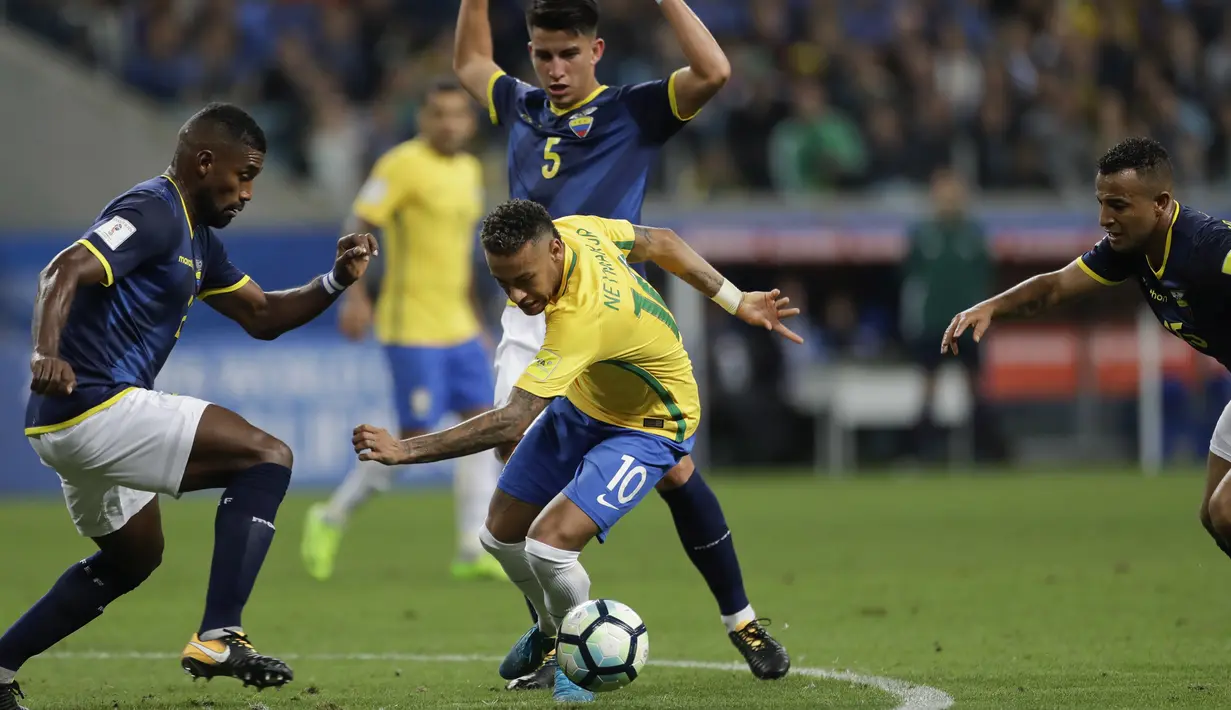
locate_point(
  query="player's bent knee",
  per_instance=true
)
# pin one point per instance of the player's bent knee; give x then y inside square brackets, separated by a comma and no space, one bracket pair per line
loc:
[677,476]
[270,449]
[1218,509]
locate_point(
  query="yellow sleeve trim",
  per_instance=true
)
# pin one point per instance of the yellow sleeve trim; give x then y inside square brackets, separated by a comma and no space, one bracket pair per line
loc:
[227,289]
[1090,272]
[675,104]
[37,430]
[1226,264]
[491,98]
[106,264]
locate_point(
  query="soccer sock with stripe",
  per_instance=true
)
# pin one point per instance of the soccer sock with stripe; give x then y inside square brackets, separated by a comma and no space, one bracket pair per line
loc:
[243,531]
[565,582]
[77,598]
[707,540]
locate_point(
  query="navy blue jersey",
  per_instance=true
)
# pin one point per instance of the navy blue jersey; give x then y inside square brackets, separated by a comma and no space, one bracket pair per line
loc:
[1190,291]
[592,159]
[120,332]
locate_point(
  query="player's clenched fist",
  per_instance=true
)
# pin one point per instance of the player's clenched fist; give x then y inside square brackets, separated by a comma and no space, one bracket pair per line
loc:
[354,251]
[51,376]
[375,444]
[975,319]
[768,310]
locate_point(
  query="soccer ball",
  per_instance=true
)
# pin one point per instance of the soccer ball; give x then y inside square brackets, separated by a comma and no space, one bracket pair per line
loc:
[602,645]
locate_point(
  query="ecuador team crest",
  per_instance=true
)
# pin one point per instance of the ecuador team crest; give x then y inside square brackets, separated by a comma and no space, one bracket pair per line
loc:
[581,125]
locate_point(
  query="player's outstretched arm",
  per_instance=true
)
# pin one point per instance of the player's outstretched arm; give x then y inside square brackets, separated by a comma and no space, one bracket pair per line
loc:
[765,309]
[266,315]
[473,57]
[57,285]
[486,431]
[1027,299]
[708,67]
[358,304]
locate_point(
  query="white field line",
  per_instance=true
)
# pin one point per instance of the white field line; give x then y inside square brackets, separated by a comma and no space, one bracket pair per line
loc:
[910,696]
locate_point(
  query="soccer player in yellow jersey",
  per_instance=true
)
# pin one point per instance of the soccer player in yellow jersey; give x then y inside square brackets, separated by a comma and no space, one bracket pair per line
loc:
[425,196]
[616,390]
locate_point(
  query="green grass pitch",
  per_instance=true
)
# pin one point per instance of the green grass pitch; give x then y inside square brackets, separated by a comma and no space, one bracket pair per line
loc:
[1047,591]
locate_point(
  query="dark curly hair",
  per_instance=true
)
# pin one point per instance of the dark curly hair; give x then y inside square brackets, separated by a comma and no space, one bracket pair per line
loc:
[513,224]
[579,17]
[1145,156]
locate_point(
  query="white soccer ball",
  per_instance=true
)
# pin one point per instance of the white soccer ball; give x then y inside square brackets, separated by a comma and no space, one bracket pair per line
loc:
[602,645]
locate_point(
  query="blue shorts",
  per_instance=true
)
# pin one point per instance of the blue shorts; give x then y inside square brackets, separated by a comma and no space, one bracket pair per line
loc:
[605,469]
[431,382]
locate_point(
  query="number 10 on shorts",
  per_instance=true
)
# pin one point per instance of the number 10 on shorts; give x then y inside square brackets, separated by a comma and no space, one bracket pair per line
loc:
[621,481]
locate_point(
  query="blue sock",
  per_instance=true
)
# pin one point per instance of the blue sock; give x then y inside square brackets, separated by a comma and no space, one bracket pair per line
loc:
[707,540]
[77,598]
[243,531]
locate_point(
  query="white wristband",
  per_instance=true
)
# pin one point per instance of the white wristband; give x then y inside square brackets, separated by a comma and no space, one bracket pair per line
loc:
[330,282]
[729,297]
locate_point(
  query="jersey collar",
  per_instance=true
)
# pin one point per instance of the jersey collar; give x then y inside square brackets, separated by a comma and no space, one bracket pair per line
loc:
[183,204]
[579,104]
[1158,273]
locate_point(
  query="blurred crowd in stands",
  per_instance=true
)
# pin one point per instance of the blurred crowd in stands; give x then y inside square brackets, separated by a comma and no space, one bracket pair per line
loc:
[826,94]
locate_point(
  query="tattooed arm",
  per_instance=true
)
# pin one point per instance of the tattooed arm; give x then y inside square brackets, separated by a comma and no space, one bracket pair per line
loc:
[486,431]
[665,248]
[1025,300]
[1044,291]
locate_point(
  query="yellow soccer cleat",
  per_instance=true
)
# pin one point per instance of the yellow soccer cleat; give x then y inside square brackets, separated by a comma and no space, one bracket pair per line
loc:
[321,540]
[233,656]
[483,567]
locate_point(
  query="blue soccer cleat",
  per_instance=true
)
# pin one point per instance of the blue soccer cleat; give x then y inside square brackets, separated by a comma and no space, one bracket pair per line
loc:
[566,691]
[526,655]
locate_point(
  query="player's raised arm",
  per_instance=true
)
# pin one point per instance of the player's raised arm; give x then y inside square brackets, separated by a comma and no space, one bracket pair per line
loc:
[665,248]
[266,315]
[708,67]
[473,55]
[355,316]
[1028,298]
[486,431]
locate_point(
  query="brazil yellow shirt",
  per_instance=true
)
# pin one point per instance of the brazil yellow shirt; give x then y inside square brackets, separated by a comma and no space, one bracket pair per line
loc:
[612,346]
[427,206]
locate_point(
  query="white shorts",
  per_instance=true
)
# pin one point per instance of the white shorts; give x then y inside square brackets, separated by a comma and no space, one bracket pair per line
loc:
[113,463]
[522,340]
[1220,441]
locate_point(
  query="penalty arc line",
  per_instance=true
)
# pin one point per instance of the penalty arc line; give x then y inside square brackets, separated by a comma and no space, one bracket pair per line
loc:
[910,696]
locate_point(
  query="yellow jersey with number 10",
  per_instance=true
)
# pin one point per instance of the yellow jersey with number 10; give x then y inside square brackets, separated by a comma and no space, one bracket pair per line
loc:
[427,206]
[612,346]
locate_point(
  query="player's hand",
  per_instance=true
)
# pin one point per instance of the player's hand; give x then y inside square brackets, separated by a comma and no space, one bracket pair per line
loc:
[767,310]
[375,444]
[355,317]
[51,376]
[976,320]
[354,252]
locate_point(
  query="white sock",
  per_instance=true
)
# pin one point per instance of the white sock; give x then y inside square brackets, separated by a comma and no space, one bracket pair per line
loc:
[739,618]
[7,676]
[564,581]
[474,480]
[215,634]
[364,480]
[512,557]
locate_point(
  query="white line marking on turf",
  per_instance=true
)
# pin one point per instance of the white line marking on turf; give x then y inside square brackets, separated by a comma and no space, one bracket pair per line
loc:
[910,695]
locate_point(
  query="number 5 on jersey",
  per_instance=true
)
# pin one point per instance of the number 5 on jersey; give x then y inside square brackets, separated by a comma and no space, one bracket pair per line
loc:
[623,480]
[553,158]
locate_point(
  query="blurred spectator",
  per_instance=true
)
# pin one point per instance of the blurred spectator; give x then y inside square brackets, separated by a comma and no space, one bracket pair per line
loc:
[948,269]
[826,95]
